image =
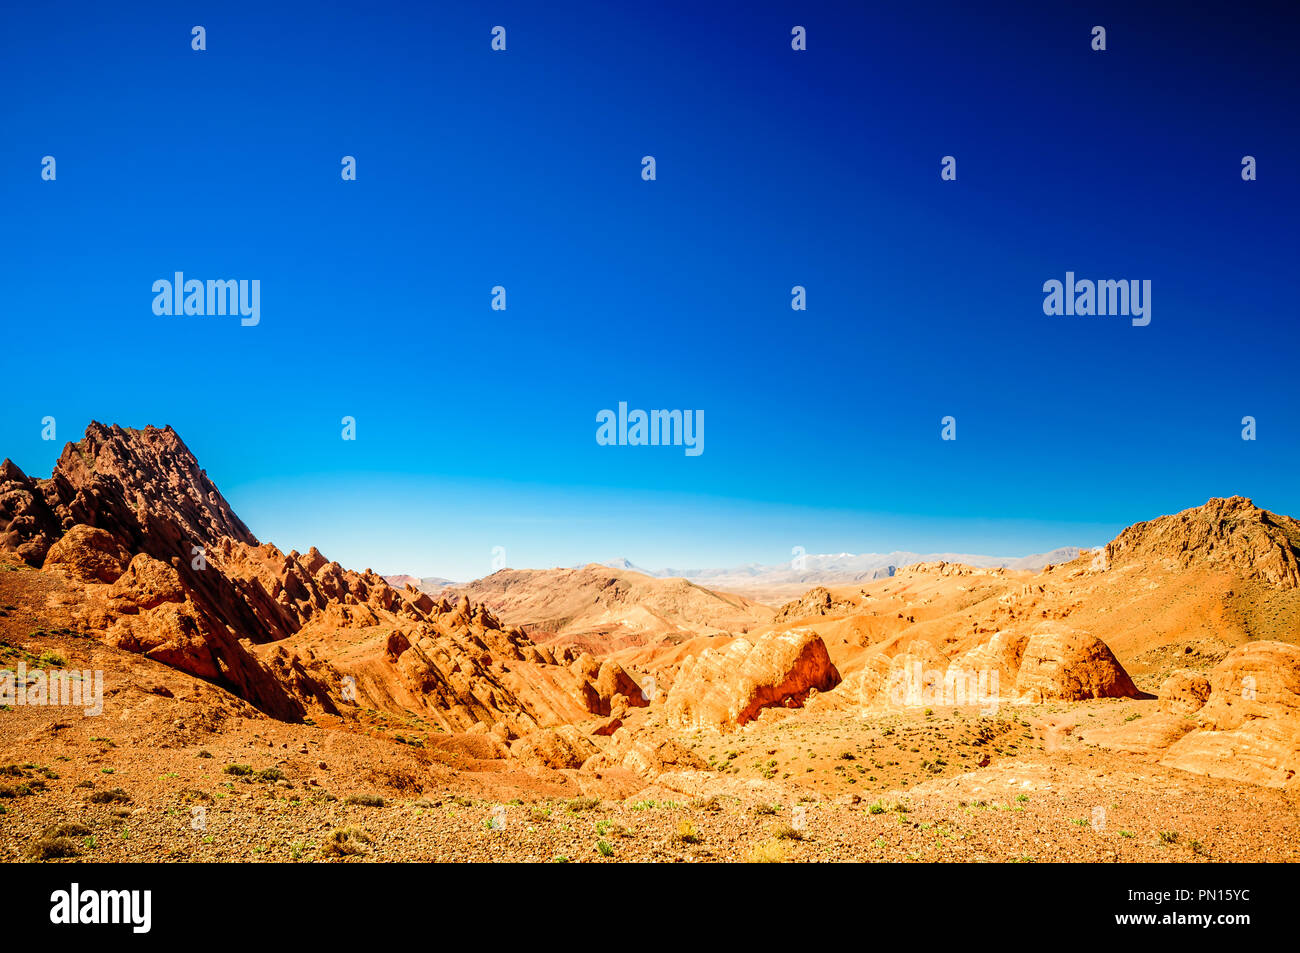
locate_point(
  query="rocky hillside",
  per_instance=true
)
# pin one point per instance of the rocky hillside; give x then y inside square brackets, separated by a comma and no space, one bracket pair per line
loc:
[162,566]
[1231,535]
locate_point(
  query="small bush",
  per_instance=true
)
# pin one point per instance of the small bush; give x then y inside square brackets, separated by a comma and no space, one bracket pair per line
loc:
[346,842]
[768,852]
[51,848]
[69,829]
[56,841]
[365,800]
[786,832]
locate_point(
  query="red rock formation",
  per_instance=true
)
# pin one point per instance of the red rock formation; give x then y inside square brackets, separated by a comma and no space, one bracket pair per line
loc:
[28,526]
[193,588]
[563,747]
[728,688]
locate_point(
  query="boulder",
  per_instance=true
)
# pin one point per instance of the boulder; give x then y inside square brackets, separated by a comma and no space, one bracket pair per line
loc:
[1184,693]
[612,681]
[916,676]
[88,554]
[1256,680]
[146,584]
[1064,664]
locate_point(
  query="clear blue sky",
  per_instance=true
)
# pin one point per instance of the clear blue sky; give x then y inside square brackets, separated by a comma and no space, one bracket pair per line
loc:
[476,428]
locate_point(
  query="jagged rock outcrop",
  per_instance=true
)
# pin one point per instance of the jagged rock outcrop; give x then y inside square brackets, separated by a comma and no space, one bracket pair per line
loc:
[817,601]
[169,571]
[942,568]
[727,688]
[613,681]
[28,526]
[649,757]
[142,486]
[1232,535]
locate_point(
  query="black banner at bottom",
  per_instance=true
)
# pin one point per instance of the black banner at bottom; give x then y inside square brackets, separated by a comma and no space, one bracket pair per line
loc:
[337,902]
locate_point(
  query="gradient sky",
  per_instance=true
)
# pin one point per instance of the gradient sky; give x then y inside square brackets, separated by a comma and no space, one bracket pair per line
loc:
[477,428]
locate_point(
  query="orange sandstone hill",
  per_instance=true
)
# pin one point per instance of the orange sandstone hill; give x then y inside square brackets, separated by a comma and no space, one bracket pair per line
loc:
[602,609]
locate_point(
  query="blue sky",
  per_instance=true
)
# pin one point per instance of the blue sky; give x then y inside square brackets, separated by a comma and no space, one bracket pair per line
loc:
[775,168]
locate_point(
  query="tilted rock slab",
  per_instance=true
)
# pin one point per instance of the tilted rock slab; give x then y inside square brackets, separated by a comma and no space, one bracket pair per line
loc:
[729,687]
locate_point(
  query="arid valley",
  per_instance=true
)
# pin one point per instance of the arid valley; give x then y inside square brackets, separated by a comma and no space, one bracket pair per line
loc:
[1138,702]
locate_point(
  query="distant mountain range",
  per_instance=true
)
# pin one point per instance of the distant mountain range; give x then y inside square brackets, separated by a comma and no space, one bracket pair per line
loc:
[812,569]
[429,584]
[821,569]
